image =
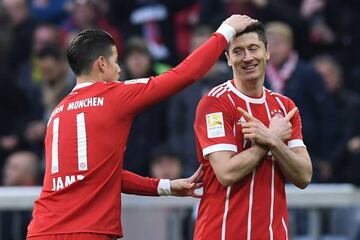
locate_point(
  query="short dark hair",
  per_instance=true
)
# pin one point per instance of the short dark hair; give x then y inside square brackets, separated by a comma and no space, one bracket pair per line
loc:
[136,44]
[52,51]
[165,151]
[257,28]
[85,48]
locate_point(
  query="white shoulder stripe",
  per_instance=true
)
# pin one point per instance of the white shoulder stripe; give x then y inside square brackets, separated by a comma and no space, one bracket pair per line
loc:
[215,89]
[231,100]
[212,90]
[281,105]
[274,93]
[221,92]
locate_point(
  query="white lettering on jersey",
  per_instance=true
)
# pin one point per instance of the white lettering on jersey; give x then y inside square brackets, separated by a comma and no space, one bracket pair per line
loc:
[139,80]
[88,102]
[215,125]
[59,183]
[56,111]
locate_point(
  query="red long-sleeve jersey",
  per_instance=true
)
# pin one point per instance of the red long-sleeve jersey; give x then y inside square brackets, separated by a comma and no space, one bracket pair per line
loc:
[254,207]
[85,142]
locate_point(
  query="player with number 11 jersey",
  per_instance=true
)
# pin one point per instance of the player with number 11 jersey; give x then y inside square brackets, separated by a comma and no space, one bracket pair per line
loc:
[87,135]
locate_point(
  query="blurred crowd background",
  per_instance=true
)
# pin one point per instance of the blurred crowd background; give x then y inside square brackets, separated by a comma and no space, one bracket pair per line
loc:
[315,60]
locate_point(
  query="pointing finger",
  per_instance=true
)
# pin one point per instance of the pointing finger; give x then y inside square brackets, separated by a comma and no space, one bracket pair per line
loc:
[246,115]
[291,113]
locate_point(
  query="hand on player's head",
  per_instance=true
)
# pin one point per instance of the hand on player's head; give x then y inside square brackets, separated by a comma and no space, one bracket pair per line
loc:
[239,22]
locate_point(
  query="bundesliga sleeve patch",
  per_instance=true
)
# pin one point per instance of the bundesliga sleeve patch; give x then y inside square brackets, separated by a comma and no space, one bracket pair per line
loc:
[215,125]
[139,80]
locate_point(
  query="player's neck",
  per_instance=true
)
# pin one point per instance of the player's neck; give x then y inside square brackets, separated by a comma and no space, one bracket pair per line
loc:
[88,78]
[251,88]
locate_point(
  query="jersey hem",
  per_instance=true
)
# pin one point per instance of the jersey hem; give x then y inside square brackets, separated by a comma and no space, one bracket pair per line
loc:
[116,234]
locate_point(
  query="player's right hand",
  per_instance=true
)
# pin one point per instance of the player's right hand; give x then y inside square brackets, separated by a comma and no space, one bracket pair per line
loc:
[186,187]
[239,22]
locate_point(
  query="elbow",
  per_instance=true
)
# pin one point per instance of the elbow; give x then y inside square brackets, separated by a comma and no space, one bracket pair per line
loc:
[225,180]
[304,181]
[302,185]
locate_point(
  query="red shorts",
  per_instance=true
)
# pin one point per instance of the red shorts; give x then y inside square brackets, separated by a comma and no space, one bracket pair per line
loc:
[74,236]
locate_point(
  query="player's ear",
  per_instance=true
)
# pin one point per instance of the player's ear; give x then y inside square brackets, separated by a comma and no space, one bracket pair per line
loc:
[228,59]
[267,52]
[101,63]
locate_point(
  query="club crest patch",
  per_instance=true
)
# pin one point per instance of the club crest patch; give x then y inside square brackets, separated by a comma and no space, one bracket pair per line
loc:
[215,125]
[277,113]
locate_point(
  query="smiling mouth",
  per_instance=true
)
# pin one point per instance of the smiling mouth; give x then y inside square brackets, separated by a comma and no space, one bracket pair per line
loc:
[250,67]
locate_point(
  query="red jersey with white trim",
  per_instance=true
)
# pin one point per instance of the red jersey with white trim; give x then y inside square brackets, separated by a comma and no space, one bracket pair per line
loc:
[255,207]
[85,142]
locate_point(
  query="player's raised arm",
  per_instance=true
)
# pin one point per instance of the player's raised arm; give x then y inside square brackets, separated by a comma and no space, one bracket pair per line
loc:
[194,67]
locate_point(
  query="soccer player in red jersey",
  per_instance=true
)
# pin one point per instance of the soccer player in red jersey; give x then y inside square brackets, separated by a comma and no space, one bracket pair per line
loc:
[87,134]
[249,141]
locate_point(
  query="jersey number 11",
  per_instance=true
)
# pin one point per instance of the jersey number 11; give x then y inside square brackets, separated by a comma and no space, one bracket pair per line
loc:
[81,144]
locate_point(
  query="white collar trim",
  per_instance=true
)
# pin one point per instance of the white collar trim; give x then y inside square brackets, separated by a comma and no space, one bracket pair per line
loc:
[81,85]
[244,97]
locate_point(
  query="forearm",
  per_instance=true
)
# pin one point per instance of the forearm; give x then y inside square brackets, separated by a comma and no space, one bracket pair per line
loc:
[295,167]
[138,185]
[193,68]
[240,165]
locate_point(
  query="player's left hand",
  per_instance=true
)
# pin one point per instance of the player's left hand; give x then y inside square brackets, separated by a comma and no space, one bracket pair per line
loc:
[254,129]
[281,126]
[185,187]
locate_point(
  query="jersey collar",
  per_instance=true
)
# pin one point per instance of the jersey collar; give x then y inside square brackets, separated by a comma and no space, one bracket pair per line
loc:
[244,97]
[81,85]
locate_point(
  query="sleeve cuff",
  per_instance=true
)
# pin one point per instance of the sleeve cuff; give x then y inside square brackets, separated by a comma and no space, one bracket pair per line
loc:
[164,188]
[219,147]
[296,143]
[227,31]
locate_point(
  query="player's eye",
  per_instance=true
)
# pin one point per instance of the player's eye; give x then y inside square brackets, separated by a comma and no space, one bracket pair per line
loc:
[253,48]
[238,51]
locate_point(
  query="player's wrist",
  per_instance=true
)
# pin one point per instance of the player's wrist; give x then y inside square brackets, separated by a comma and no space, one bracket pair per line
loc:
[164,187]
[273,141]
[227,31]
[261,148]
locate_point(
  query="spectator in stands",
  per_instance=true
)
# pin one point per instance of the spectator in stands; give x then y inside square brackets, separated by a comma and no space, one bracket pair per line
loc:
[138,63]
[57,81]
[48,10]
[13,112]
[22,168]
[5,40]
[57,78]
[153,20]
[29,77]
[22,28]
[182,107]
[343,153]
[165,163]
[286,74]
[88,14]
[343,161]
